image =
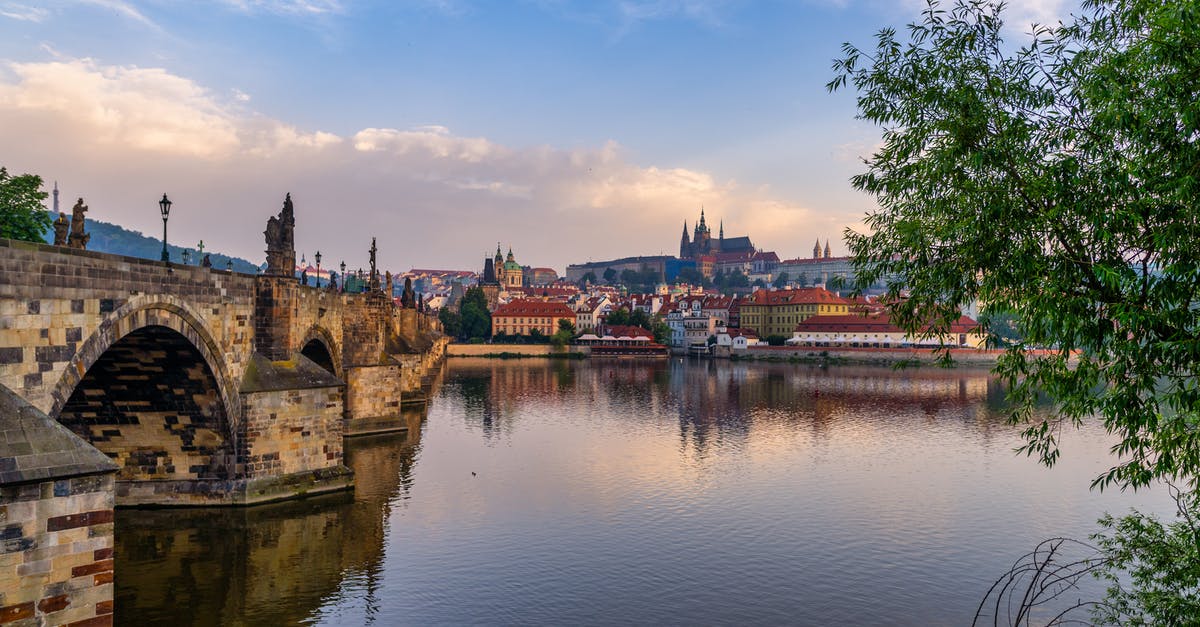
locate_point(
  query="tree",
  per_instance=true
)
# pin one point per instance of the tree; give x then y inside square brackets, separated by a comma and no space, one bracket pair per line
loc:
[780,281]
[690,276]
[1056,181]
[587,279]
[451,321]
[609,275]
[629,277]
[565,332]
[617,317]
[476,320]
[737,279]
[639,318]
[22,212]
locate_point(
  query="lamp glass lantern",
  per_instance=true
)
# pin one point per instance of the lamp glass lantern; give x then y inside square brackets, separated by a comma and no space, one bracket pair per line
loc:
[164,207]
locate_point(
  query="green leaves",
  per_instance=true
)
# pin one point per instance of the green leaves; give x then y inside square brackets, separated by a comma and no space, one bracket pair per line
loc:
[22,214]
[1053,181]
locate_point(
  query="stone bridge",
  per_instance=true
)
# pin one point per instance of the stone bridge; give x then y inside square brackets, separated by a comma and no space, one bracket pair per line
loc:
[205,386]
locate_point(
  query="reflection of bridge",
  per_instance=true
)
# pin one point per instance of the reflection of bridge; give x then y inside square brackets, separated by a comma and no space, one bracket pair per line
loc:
[204,386]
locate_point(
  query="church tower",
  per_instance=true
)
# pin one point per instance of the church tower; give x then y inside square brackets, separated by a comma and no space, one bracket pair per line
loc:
[685,247]
[56,211]
[817,249]
[702,238]
[827,255]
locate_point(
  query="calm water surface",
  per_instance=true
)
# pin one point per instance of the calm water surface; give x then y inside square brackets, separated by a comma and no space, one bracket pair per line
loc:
[603,492]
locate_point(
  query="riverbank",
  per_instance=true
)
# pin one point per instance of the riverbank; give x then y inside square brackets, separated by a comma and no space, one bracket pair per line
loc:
[848,355]
[518,351]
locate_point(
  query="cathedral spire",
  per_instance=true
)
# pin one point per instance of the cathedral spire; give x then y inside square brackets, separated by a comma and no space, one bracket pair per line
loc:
[721,235]
[817,249]
[827,255]
[702,228]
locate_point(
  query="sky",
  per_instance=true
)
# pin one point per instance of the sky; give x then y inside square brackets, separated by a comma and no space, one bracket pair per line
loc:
[570,131]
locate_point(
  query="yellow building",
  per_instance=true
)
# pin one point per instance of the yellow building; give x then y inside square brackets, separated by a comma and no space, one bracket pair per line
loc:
[777,312]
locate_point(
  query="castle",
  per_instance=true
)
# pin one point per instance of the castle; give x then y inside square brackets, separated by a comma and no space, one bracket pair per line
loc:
[702,242]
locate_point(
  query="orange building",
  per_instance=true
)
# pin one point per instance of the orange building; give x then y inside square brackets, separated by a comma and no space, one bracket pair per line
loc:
[522,316]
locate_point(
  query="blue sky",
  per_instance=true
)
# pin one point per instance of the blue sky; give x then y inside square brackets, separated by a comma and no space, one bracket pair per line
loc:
[570,130]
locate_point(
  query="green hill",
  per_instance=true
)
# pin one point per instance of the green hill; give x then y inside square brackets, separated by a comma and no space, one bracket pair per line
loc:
[118,240]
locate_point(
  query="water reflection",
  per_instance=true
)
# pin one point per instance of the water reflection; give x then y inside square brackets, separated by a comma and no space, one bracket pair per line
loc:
[268,565]
[720,401]
[631,491]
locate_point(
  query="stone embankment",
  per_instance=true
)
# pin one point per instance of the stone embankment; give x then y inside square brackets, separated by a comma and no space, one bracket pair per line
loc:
[515,350]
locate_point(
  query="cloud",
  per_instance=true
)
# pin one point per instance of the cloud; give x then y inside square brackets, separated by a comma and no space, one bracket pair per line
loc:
[120,136]
[23,12]
[288,7]
[124,9]
[1020,14]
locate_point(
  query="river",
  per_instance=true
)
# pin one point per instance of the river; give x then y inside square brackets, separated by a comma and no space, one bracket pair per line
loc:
[618,491]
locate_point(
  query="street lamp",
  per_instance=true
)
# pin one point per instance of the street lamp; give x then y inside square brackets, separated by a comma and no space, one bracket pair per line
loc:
[164,206]
[318,258]
[187,256]
[343,266]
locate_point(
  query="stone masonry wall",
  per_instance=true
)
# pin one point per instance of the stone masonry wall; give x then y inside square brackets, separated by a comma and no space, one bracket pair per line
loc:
[56,552]
[366,326]
[372,397]
[53,299]
[290,431]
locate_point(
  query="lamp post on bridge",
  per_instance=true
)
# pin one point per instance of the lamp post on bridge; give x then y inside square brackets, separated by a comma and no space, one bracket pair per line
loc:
[187,256]
[318,258]
[343,267]
[164,207]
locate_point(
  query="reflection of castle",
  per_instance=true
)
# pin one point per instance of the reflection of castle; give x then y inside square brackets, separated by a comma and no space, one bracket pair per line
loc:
[702,242]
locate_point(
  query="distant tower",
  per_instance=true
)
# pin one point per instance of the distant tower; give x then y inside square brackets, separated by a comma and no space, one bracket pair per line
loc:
[827,255]
[684,245]
[721,235]
[817,249]
[702,237]
[56,211]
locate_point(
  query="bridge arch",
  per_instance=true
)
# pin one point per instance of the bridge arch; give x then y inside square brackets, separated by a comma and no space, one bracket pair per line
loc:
[319,346]
[150,387]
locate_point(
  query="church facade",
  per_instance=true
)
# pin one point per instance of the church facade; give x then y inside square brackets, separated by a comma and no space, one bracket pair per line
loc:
[702,242]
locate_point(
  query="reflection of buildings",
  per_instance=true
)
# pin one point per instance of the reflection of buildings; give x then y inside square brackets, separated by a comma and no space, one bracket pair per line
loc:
[714,400]
[266,565]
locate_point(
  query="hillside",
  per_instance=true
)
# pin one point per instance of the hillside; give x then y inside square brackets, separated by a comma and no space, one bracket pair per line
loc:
[112,238]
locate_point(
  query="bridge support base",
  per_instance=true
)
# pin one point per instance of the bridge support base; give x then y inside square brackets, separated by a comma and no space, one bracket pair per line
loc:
[234,492]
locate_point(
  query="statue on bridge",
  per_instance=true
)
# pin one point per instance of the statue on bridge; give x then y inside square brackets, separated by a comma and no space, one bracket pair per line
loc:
[373,281]
[281,247]
[61,227]
[406,298]
[78,238]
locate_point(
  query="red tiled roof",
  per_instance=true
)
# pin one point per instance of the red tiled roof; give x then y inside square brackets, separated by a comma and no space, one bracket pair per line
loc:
[628,331]
[534,308]
[803,295]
